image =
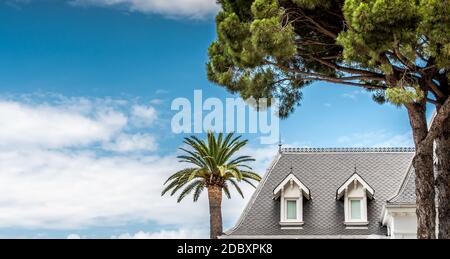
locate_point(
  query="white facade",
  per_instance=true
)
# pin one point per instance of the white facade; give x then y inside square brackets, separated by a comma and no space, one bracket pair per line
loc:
[291,192]
[355,193]
[401,221]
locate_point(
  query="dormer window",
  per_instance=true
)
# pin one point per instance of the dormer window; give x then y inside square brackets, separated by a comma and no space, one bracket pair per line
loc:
[355,192]
[355,209]
[291,192]
[291,209]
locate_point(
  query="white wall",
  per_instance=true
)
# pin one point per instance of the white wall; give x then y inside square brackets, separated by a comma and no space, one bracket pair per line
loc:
[357,192]
[291,191]
[404,226]
[401,222]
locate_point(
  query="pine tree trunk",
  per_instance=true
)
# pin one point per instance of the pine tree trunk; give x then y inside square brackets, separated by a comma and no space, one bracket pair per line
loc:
[215,210]
[423,166]
[443,180]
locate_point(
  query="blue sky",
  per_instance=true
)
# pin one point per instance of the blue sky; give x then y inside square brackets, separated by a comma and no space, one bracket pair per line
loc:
[85,95]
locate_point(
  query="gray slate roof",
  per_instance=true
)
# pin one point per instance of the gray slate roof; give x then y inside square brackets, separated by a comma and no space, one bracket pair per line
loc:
[323,171]
[407,191]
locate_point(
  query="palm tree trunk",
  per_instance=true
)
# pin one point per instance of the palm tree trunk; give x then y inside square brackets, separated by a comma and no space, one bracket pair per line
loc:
[215,210]
[423,166]
[443,180]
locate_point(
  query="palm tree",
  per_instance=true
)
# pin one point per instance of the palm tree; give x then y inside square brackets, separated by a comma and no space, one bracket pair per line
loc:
[215,168]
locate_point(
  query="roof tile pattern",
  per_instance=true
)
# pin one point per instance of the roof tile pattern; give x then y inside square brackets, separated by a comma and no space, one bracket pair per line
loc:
[407,192]
[323,171]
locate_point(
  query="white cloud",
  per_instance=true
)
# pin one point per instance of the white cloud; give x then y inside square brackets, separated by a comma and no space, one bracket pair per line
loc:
[157,101]
[354,95]
[54,177]
[70,190]
[73,236]
[57,190]
[379,138]
[129,143]
[55,127]
[166,234]
[54,121]
[398,140]
[161,92]
[173,8]
[349,96]
[263,156]
[143,116]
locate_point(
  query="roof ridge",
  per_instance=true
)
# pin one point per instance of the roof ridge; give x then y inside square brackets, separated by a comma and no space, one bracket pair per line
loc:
[348,149]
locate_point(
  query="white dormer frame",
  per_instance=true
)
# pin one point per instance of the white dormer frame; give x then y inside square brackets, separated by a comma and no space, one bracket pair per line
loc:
[358,190]
[292,177]
[290,185]
[355,178]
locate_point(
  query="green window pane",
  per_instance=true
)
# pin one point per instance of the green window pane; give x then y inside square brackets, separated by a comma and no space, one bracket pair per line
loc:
[355,209]
[291,209]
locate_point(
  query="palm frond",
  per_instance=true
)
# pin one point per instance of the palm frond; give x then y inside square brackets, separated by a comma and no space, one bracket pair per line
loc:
[247,181]
[251,175]
[188,189]
[233,149]
[236,186]
[176,179]
[198,190]
[236,173]
[226,191]
[199,145]
[241,159]
[245,166]
[193,157]
[224,149]
[214,161]
[180,184]
[169,187]
[179,173]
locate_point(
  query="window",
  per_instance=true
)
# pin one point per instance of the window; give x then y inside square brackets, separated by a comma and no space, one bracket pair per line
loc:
[355,209]
[291,193]
[291,207]
[355,192]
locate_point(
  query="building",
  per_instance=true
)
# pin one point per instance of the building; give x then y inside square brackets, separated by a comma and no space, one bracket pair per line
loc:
[333,193]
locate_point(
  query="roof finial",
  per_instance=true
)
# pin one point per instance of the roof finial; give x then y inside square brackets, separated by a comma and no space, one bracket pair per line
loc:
[279,143]
[292,168]
[355,168]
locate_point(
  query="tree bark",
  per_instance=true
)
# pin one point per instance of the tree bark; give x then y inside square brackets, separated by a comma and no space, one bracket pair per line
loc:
[215,210]
[443,180]
[423,166]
